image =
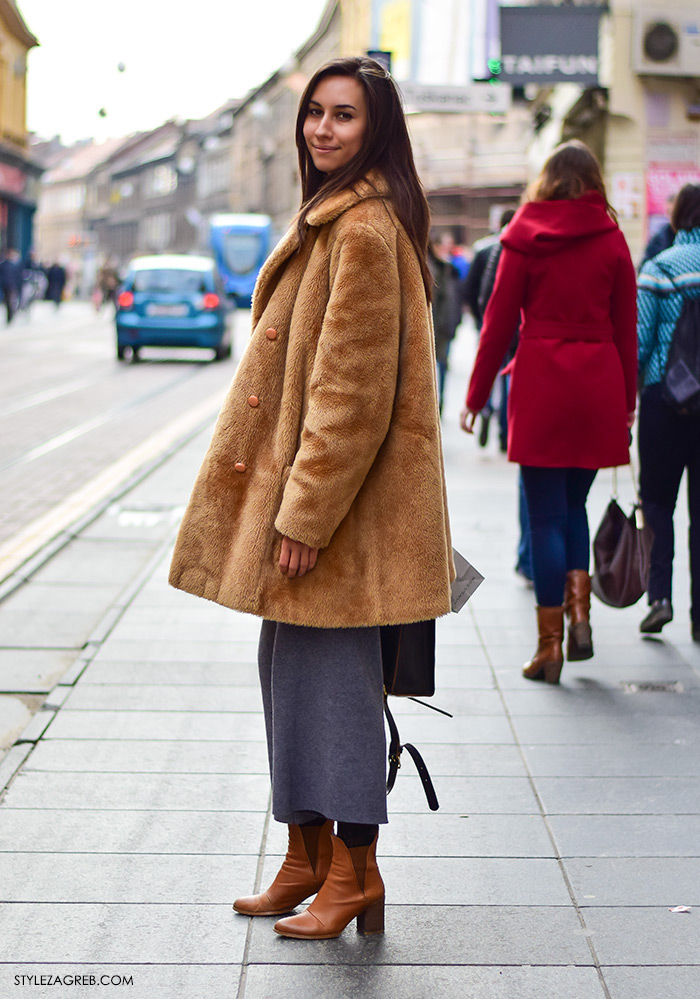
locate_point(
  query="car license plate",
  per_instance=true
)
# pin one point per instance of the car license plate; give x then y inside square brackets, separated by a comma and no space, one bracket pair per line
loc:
[166,310]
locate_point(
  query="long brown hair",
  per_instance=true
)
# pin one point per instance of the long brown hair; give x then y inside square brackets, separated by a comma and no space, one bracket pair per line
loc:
[386,146]
[571,171]
[685,213]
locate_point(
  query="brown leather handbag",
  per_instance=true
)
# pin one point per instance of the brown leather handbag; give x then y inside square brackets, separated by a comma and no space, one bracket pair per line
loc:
[621,553]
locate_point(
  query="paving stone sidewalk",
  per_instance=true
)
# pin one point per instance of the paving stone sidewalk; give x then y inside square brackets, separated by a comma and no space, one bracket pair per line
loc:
[569,821]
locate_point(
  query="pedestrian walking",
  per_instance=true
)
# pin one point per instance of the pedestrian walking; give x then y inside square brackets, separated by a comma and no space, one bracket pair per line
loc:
[446,304]
[320,505]
[56,283]
[107,284]
[473,300]
[11,282]
[33,283]
[458,257]
[669,442]
[566,270]
[523,563]
[486,285]
[662,238]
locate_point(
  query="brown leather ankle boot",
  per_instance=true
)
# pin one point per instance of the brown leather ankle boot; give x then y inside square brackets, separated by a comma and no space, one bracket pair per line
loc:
[302,873]
[353,888]
[577,608]
[547,662]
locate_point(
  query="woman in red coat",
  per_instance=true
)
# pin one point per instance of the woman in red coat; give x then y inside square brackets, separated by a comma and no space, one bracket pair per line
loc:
[565,271]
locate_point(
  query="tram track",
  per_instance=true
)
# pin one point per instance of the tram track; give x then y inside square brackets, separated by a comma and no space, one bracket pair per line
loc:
[74,422]
[78,430]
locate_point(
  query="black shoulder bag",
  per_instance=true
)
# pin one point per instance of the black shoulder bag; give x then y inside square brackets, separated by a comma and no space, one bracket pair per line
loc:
[408,660]
[680,387]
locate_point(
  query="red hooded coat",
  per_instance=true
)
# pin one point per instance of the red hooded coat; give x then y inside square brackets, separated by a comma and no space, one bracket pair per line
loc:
[565,271]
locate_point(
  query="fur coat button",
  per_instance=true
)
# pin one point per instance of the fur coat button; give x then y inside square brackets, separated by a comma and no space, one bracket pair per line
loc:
[253,401]
[271,333]
[240,466]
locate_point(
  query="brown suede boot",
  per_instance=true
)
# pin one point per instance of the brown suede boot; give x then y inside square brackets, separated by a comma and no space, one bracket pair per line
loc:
[577,608]
[302,873]
[547,662]
[353,888]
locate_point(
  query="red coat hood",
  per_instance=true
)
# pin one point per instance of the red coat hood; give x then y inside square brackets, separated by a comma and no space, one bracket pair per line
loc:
[545,227]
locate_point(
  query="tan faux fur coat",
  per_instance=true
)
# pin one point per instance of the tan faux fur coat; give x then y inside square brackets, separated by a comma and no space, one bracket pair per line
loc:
[329,435]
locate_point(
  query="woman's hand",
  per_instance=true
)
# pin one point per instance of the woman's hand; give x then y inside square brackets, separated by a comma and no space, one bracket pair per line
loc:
[630,419]
[467,419]
[296,558]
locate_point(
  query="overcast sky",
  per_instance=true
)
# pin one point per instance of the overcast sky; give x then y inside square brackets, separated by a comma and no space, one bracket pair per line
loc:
[182,58]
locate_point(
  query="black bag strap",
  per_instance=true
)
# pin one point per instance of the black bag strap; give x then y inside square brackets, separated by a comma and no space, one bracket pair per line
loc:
[395,750]
[424,704]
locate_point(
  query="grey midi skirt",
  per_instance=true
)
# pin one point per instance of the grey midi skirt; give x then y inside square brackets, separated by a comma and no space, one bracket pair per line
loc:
[322,692]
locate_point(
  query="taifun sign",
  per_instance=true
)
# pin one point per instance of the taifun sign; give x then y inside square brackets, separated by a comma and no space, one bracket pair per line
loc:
[549,45]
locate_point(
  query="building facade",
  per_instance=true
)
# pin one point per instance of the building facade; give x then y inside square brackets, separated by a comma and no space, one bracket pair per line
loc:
[214,173]
[19,174]
[265,174]
[652,120]
[641,115]
[471,164]
[62,232]
[155,191]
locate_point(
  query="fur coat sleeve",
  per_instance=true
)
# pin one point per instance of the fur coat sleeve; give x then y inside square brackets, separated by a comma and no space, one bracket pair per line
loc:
[352,387]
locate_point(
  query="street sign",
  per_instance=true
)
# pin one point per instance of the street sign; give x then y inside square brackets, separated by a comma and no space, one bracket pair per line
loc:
[545,44]
[479,97]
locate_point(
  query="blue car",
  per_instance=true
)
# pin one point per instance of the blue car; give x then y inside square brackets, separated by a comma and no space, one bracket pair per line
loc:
[173,300]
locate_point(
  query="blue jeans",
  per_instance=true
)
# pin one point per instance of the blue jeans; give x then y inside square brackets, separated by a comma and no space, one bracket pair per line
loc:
[556,503]
[524,563]
[441,376]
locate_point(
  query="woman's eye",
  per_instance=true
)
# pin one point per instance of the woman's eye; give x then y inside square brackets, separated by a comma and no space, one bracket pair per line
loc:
[314,112]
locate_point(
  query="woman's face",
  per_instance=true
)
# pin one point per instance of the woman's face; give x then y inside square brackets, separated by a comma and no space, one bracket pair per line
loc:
[336,122]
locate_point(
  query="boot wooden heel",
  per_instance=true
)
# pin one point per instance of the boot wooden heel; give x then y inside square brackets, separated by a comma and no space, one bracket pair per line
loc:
[577,609]
[552,672]
[372,919]
[580,642]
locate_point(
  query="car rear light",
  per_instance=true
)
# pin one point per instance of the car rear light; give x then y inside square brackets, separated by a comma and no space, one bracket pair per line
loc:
[125,300]
[210,301]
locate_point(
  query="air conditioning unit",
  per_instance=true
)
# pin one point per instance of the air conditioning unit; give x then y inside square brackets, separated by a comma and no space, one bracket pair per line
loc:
[666,42]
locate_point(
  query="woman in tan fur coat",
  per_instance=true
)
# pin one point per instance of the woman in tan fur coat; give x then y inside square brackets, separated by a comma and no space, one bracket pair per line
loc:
[320,505]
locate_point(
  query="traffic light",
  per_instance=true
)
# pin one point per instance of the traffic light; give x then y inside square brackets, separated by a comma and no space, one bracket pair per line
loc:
[495,68]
